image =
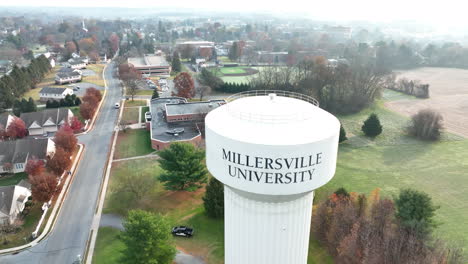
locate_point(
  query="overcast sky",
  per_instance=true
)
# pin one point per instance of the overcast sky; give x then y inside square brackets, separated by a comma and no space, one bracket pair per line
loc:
[442,12]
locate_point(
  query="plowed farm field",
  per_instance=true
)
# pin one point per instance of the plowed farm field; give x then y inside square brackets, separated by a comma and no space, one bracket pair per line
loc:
[448,95]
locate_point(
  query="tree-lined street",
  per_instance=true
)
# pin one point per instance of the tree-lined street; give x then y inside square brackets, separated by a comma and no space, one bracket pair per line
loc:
[69,236]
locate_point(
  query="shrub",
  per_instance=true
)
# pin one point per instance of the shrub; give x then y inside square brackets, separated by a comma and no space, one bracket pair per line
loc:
[372,126]
[342,134]
[426,125]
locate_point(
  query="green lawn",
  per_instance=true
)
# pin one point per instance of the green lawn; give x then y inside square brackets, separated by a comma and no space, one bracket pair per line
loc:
[144,109]
[394,161]
[232,70]
[108,246]
[130,103]
[130,115]
[76,112]
[134,142]
[390,162]
[391,95]
[142,92]
[23,236]
[181,208]
[6,180]
[97,78]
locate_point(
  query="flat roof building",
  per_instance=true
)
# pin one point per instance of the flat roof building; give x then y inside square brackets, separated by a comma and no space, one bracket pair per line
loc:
[173,119]
[151,64]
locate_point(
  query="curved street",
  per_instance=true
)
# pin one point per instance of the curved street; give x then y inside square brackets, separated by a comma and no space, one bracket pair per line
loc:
[68,237]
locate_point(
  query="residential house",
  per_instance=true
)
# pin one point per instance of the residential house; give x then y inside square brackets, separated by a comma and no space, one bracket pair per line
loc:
[14,154]
[68,77]
[54,93]
[5,120]
[77,64]
[76,57]
[46,121]
[12,201]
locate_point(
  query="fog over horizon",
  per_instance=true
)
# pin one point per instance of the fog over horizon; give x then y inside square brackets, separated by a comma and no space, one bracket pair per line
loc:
[443,15]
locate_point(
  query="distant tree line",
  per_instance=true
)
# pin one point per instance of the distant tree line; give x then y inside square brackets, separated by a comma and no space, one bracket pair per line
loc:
[21,80]
[229,87]
[410,87]
[344,88]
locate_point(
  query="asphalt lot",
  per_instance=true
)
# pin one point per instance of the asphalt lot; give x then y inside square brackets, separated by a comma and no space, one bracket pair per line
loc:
[71,231]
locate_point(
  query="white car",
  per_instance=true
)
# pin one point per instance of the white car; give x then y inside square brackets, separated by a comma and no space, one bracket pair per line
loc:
[117,106]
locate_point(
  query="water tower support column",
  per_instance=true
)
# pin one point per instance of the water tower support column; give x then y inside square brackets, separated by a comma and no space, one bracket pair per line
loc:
[266,229]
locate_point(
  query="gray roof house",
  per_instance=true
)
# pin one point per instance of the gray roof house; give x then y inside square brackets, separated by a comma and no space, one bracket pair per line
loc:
[46,121]
[12,201]
[77,64]
[5,120]
[68,77]
[54,93]
[15,154]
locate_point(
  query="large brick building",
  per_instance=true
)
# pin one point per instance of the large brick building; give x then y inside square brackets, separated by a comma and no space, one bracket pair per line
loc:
[174,119]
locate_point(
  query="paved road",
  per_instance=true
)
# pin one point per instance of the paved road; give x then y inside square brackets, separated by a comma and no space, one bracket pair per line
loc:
[68,237]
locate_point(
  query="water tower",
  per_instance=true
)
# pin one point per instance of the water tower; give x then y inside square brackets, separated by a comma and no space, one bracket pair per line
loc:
[271,149]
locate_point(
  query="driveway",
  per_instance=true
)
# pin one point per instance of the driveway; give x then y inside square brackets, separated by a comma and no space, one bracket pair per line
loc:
[72,229]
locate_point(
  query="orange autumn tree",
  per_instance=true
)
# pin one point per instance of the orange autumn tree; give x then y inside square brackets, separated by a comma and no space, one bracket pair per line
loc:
[184,85]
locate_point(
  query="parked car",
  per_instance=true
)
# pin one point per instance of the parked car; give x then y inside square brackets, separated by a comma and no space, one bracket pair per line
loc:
[148,116]
[117,106]
[182,231]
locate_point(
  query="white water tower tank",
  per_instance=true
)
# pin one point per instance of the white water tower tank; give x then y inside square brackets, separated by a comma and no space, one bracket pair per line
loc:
[270,149]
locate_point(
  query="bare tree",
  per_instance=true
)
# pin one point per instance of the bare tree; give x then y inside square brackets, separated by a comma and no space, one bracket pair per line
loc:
[137,184]
[203,90]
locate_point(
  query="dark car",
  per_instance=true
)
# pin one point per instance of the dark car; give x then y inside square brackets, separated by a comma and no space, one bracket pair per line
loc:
[182,231]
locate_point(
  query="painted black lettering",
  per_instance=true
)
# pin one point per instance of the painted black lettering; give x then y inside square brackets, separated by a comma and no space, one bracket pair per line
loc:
[278,178]
[226,156]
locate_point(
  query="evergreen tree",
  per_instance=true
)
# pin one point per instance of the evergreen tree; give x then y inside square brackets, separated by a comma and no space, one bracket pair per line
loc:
[183,167]
[31,106]
[372,126]
[6,93]
[234,52]
[20,85]
[147,239]
[176,65]
[213,201]
[77,101]
[17,108]
[155,94]
[342,134]
[416,211]
[69,101]
[24,106]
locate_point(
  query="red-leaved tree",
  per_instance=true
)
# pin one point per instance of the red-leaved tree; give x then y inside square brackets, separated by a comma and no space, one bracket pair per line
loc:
[87,110]
[114,42]
[184,85]
[94,93]
[17,129]
[43,186]
[75,124]
[66,139]
[35,167]
[59,162]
